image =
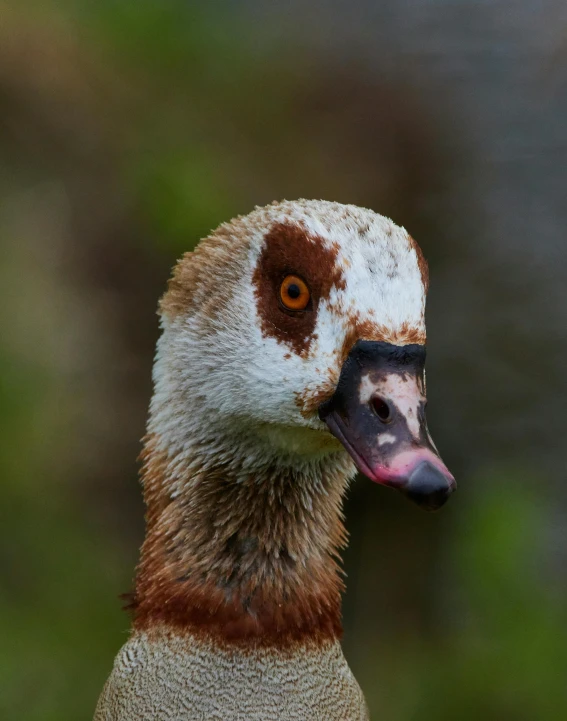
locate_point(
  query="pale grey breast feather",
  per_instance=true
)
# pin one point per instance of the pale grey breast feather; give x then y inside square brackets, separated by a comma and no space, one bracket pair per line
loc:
[161,676]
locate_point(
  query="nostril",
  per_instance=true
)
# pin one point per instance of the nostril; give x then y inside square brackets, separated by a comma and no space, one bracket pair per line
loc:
[381,408]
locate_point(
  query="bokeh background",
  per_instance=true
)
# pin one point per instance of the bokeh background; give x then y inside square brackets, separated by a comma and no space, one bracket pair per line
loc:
[127,131]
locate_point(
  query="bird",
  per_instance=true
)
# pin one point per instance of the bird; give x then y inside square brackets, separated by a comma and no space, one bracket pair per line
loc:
[291,356]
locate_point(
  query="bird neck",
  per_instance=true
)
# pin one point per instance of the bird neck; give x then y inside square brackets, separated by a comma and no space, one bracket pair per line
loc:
[240,552]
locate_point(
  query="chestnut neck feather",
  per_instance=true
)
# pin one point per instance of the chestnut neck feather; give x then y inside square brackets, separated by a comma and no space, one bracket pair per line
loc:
[241,556]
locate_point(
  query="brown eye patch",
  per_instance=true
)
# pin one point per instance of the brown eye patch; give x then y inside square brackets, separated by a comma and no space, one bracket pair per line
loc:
[291,251]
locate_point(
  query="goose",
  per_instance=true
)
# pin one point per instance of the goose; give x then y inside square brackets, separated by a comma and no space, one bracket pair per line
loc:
[291,355]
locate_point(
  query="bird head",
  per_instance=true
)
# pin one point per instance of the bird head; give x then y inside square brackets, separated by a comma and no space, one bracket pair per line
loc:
[297,332]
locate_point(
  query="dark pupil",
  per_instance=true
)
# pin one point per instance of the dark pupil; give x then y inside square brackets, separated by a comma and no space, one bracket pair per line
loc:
[294,291]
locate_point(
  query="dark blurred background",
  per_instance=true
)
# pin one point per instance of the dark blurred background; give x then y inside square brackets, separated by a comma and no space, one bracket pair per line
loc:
[128,131]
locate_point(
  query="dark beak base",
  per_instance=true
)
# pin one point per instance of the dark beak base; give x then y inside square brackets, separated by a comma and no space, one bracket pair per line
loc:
[375,429]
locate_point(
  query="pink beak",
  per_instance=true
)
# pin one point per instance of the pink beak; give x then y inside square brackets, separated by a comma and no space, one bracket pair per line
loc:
[378,414]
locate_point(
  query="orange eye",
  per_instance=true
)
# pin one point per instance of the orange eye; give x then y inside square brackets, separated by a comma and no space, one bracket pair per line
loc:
[294,293]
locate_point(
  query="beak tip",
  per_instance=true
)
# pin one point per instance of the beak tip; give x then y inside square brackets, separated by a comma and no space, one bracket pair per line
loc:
[429,487]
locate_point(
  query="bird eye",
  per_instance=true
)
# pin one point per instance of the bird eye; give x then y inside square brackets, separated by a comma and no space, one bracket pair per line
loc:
[294,293]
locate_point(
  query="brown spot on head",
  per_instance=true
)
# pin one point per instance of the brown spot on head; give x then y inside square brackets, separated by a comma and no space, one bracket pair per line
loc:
[360,330]
[204,279]
[407,335]
[421,263]
[369,330]
[180,288]
[309,400]
[289,249]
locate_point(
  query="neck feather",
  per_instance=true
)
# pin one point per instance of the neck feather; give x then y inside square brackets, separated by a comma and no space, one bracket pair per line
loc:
[241,552]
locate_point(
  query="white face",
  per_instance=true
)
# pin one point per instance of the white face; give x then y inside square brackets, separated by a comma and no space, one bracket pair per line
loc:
[235,360]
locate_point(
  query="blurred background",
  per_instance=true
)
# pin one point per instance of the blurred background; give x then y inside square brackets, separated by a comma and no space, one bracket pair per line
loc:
[128,131]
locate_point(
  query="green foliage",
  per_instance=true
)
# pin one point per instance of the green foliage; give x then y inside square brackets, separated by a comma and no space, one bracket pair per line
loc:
[505,656]
[181,196]
[497,646]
